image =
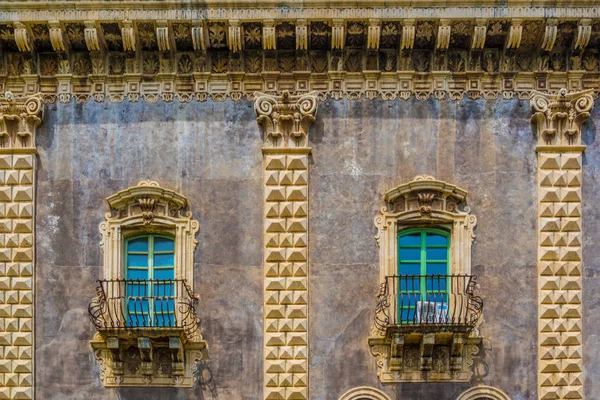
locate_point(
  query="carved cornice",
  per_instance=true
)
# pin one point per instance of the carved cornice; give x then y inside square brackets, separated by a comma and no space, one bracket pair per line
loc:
[19,118]
[559,117]
[285,119]
[190,53]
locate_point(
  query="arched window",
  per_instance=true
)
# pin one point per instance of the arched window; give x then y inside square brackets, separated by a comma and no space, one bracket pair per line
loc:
[145,297]
[427,308]
[364,393]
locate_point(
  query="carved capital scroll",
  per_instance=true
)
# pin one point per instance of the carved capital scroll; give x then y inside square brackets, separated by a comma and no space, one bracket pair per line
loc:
[19,117]
[559,116]
[285,119]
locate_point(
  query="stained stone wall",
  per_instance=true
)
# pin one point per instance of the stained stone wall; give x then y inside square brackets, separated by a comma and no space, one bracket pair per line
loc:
[210,152]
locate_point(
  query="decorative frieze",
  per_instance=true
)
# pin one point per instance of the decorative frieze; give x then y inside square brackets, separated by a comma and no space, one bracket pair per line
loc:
[19,118]
[285,121]
[187,58]
[558,121]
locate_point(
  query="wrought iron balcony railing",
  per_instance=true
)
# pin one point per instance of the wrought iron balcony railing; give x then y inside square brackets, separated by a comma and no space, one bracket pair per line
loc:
[157,305]
[428,303]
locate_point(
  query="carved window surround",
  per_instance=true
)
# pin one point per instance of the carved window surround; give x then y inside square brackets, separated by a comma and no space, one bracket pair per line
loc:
[421,352]
[157,355]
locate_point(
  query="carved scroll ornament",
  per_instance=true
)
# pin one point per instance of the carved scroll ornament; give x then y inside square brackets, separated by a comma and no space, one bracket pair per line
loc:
[285,119]
[559,117]
[19,117]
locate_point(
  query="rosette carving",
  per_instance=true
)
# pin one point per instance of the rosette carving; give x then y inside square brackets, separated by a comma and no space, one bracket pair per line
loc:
[559,117]
[285,119]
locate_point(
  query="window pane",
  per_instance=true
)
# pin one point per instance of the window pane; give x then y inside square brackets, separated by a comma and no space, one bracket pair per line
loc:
[407,316]
[139,244]
[164,289]
[410,269]
[437,269]
[138,320]
[163,244]
[137,305]
[137,273]
[137,260]
[164,306]
[436,253]
[436,284]
[163,260]
[433,239]
[408,299]
[414,239]
[168,273]
[410,254]
[410,284]
[137,289]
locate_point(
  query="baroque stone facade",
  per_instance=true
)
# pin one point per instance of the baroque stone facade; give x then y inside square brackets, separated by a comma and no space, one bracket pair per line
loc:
[279,280]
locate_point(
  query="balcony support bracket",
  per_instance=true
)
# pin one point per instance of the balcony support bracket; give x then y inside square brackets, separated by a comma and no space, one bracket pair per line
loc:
[145,347]
[456,352]
[112,343]
[397,349]
[176,349]
[427,344]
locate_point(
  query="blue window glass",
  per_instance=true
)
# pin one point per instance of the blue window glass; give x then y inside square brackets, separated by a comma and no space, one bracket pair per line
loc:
[151,301]
[423,269]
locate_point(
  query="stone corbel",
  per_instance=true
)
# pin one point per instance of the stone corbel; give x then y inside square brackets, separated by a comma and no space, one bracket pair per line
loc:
[408,34]
[559,116]
[234,37]
[397,349]
[198,36]
[550,34]
[22,37]
[145,347]
[427,344]
[112,343]
[56,36]
[301,34]
[285,119]
[128,36]
[269,42]
[514,34]
[92,39]
[584,32]
[374,34]
[162,35]
[456,352]
[479,34]
[443,36]
[337,34]
[177,361]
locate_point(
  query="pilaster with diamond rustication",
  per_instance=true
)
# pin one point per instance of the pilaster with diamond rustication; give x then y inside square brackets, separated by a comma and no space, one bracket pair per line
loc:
[285,121]
[559,119]
[18,119]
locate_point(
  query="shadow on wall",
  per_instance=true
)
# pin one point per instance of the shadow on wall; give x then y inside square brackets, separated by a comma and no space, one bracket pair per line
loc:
[204,379]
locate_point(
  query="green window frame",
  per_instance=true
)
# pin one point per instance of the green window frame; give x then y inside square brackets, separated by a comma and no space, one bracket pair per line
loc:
[149,260]
[423,270]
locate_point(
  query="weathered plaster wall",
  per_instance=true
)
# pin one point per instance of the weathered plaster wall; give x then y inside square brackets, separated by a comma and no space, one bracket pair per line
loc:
[208,152]
[360,150]
[591,255]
